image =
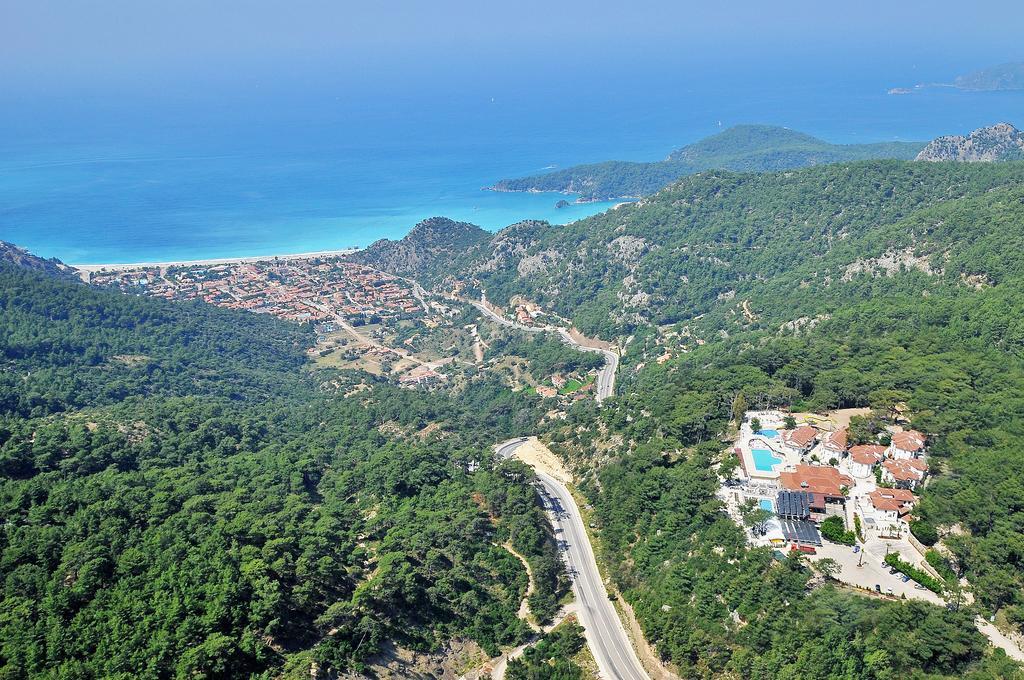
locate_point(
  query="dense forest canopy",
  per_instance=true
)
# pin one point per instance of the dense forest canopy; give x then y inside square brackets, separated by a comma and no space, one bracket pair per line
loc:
[203,509]
[856,285]
[184,496]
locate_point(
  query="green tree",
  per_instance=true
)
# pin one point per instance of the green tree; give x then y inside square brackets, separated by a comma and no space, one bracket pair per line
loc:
[828,567]
[739,408]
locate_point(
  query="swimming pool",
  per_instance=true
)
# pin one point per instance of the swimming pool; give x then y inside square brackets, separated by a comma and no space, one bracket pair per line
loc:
[773,434]
[764,461]
[766,505]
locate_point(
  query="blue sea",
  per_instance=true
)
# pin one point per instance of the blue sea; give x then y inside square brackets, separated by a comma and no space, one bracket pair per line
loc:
[261,167]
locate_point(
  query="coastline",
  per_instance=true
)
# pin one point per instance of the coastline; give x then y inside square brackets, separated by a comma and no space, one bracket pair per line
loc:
[89,268]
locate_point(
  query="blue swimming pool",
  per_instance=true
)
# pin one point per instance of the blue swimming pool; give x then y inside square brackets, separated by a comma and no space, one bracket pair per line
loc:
[766,505]
[764,461]
[768,433]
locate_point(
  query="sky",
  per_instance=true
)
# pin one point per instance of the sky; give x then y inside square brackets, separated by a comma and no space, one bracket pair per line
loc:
[46,44]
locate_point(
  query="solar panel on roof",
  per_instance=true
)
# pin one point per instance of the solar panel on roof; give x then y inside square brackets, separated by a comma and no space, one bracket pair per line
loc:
[794,504]
[800,531]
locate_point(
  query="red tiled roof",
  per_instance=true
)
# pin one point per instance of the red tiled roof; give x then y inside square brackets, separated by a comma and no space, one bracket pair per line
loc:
[816,479]
[892,500]
[902,471]
[867,454]
[838,439]
[801,436]
[910,440]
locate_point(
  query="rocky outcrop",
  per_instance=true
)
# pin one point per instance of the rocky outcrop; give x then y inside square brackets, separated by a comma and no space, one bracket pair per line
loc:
[1000,142]
[430,246]
[22,258]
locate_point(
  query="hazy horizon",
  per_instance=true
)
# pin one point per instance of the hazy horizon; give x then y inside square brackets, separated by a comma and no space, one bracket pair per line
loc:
[156,132]
[114,43]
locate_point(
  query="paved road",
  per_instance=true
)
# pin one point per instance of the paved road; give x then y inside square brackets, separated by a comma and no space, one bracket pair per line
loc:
[605,377]
[605,634]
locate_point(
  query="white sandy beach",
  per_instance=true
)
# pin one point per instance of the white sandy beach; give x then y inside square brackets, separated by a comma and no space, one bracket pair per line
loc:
[220,260]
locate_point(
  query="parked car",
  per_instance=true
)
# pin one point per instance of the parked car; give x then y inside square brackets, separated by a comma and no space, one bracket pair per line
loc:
[878,588]
[856,549]
[918,586]
[905,578]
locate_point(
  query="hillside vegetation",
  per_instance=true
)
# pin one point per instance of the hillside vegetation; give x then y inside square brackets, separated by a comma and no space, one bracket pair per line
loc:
[185,497]
[710,240]
[744,148]
[434,243]
[1000,142]
[851,285]
[181,500]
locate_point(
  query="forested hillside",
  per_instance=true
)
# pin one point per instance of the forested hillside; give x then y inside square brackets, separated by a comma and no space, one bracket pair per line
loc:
[745,148]
[863,284]
[185,496]
[63,345]
[434,243]
[871,284]
[181,500]
[713,239]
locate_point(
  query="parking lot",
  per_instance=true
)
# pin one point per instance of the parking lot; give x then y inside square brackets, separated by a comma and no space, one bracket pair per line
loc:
[872,571]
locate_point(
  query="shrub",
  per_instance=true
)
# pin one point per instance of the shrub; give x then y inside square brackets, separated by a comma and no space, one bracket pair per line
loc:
[834,530]
[924,531]
[940,564]
[927,580]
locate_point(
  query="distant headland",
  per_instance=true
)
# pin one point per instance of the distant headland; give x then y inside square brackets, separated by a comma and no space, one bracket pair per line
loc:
[999,78]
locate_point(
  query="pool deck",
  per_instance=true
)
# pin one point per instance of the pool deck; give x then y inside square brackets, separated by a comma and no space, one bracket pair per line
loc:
[749,440]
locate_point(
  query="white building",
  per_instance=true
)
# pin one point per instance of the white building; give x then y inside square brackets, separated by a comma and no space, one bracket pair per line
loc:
[834,443]
[891,506]
[863,459]
[906,444]
[904,473]
[800,440]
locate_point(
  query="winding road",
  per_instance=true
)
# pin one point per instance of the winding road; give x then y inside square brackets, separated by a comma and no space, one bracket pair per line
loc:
[605,386]
[605,634]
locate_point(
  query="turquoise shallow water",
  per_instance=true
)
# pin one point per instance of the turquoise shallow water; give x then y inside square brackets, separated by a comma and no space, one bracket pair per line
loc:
[300,168]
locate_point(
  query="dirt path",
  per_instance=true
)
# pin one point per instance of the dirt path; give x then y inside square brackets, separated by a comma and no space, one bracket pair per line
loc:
[999,639]
[495,668]
[524,606]
[751,317]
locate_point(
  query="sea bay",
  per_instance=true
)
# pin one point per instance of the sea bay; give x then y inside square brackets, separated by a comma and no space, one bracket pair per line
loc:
[255,171]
